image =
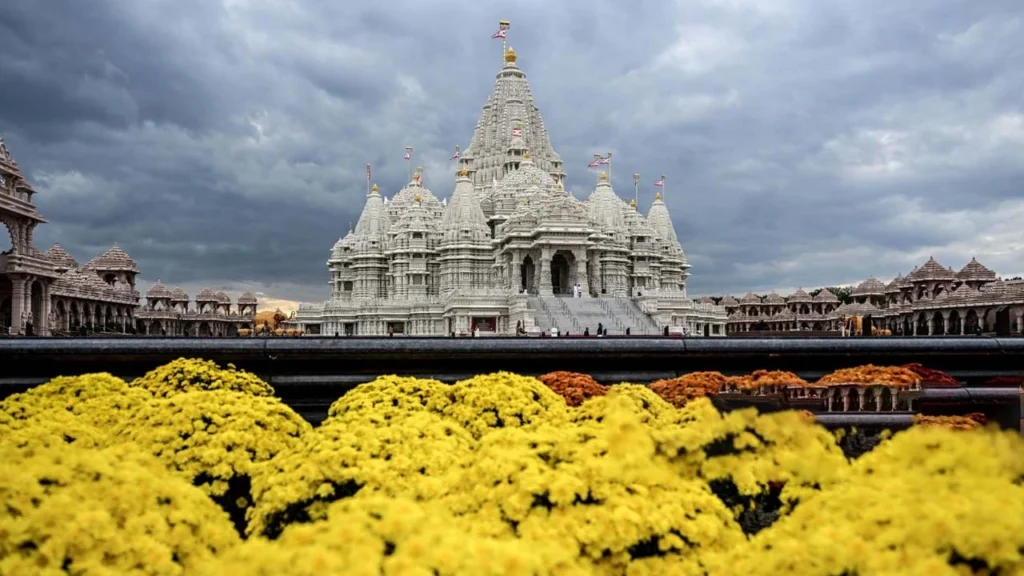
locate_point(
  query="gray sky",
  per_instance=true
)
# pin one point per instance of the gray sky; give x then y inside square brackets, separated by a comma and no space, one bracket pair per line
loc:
[223,142]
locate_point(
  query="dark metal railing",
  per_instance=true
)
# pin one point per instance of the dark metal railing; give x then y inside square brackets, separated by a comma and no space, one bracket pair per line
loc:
[310,372]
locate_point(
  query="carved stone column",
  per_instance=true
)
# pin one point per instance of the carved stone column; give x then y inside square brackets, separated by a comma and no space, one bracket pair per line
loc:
[1020,321]
[517,271]
[17,304]
[45,311]
[582,273]
[544,286]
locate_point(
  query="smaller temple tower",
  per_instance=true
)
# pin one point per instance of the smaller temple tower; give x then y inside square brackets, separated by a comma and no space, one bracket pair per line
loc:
[465,249]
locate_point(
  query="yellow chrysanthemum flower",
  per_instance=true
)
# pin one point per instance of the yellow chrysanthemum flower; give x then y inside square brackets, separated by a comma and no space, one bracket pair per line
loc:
[752,461]
[648,406]
[101,398]
[390,397]
[394,537]
[928,502]
[214,439]
[406,457]
[502,400]
[50,429]
[599,489]
[193,375]
[69,510]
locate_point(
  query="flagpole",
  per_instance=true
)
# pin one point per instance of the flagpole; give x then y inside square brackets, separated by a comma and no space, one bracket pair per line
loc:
[367,179]
[597,160]
[609,168]
[504,25]
[662,186]
[408,163]
[636,188]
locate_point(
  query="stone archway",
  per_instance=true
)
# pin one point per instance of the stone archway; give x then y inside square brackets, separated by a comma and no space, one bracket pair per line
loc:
[955,323]
[922,324]
[61,313]
[561,272]
[938,324]
[971,322]
[527,272]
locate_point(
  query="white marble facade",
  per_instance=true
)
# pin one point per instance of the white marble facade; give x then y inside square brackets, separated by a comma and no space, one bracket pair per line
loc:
[509,247]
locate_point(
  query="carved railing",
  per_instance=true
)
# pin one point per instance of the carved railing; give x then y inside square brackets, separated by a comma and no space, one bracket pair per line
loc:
[617,324]
[568,314]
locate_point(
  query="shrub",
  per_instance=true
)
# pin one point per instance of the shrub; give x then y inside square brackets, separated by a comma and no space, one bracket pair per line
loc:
[597,489]
[111,511]
[214,439]
[100,398]
[392,537]
[679,391]
[760,465]
[638,399]
[193,375]
[486,402]
[928,501]
[390,397]
[405,457]
[50,429]
[573,387]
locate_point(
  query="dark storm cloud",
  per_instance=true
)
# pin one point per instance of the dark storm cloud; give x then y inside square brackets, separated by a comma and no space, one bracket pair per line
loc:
[805,142]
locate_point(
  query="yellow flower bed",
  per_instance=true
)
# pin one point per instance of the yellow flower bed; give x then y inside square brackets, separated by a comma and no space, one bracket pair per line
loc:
[493,475]
[107,511]
[191,375]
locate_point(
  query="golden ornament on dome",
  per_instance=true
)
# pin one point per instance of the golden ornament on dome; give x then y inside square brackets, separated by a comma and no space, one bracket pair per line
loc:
[510,55]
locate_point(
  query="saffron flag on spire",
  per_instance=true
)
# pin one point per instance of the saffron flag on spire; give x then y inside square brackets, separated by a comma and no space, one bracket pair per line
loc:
[457,154]
[500,33]
[408,155]
[659,183]
[595,164]
[605,161]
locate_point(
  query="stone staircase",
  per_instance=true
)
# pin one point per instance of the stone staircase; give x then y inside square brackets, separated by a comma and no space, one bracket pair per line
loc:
[629,313]
[574,315]
[549,312]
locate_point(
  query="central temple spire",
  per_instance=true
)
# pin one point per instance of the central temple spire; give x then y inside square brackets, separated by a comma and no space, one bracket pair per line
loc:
[510,125]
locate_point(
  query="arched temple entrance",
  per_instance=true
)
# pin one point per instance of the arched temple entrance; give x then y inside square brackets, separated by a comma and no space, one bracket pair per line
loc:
[526,274]
[561,272]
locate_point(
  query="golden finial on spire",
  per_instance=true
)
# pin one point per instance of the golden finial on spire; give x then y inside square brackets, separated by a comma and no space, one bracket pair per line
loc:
[632,204]
[510,55]
[416,198]
[463,172]
[604,177]
[657,195]
[374,188]
[526,155]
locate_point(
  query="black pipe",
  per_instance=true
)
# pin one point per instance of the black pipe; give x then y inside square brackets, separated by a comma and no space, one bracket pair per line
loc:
[859,420]
[313,371]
